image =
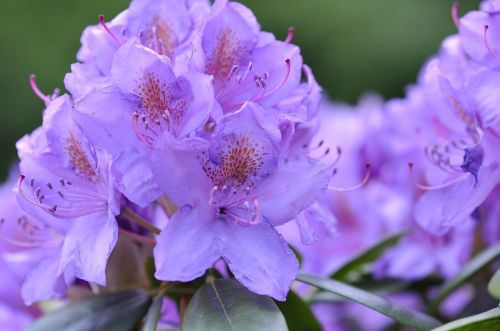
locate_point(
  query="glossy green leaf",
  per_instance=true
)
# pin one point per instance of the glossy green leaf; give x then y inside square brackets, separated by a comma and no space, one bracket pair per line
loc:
[494,285]
[403,315]
[120,311]
[474,266]
[298,314]
[356,266]
[153,316]
[225,304]
[487,321]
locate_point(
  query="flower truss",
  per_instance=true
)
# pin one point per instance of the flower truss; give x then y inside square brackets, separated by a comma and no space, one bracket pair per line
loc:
[193,160]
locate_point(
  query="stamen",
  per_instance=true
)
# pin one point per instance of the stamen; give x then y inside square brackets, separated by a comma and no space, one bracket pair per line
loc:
[487,45]
[339,155]
[137,130]
[249,68]
[211,195]
[434,187]
[355,187]
[454,14]
[37,91]
[291,34]
[34,242]
[258,212]
[108,30]
[277,87]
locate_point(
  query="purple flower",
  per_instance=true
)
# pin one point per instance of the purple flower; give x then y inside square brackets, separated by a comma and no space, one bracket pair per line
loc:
[143,99]
[460,139]
[250,65]
[67,183]
[233,189]
[29,253]
[164,26]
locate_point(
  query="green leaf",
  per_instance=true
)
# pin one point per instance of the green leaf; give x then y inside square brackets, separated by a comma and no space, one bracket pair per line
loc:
[377,286]
[225,304]
[474,266]
[298,314]
[120,311]
[403,315]
[153,316]
[487,321]
[349,271]
[494,285]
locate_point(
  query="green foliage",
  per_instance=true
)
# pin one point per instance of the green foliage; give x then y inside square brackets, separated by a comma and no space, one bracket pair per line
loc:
[120,311]
[403,315]
[473,267]
[298,314]
[153,316]
[352,270]
[224,304]
[494,285]
[488,321]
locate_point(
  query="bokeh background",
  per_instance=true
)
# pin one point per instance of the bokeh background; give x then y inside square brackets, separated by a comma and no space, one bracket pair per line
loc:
[352,46]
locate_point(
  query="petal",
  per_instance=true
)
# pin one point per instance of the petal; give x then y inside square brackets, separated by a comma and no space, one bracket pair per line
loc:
[136,180]
[106,117]
[88,246]
[259,257]
[44,282]
[315,223]
[178,171]
[186,247]
[133,61]
[438,210]
[295,185]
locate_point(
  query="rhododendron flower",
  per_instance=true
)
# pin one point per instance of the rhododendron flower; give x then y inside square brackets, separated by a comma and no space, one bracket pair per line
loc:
[232,190]
[64,177]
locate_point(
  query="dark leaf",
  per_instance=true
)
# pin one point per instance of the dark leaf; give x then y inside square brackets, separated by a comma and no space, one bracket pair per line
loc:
[151,320]
[403,315]
[298,314]
[487,321]
[109,312]
[225,304]
[475,265]
[356,266]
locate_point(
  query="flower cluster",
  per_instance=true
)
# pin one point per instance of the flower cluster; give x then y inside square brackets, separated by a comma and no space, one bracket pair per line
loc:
[435,163]
[195,135]
[181,106]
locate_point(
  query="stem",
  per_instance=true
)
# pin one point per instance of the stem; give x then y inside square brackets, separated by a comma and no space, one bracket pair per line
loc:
[138,238]
[139,220]
[167,205]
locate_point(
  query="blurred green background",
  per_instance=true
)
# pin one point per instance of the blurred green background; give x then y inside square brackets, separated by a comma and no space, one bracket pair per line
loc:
[352,46]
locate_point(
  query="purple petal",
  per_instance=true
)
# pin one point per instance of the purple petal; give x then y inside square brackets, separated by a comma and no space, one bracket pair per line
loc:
[259,257]
[186,247]
[295,185]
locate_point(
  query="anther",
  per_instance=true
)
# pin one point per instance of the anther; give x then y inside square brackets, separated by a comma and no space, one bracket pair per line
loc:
[105,26]
[363,182]
[486,44]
